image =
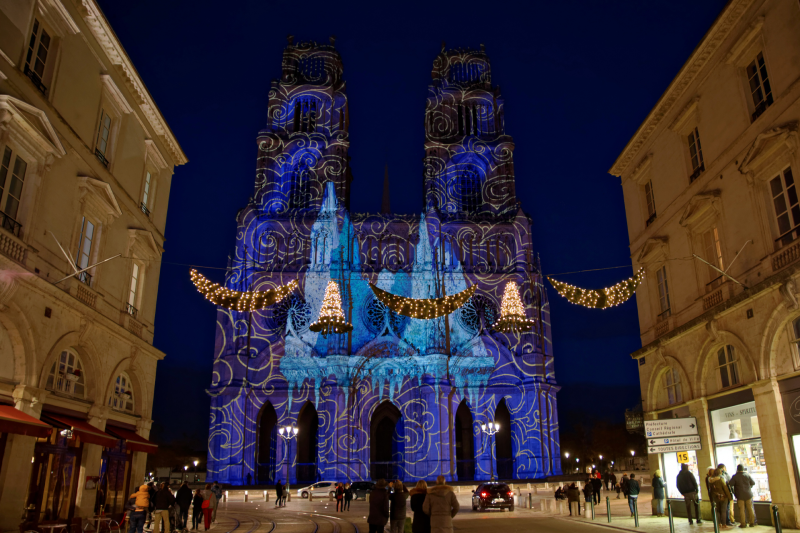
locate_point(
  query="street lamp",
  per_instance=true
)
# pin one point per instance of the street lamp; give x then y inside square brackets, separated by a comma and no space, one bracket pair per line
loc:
[490,430]
[195,471]
[185,468]
[288,433]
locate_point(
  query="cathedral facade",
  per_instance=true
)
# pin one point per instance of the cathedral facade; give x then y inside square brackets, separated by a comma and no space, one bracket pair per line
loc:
[396,396]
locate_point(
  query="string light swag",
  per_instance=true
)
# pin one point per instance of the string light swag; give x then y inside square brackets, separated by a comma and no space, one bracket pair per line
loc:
[331,316]
[604,298]
[237,300]
[423,308]
[512,313]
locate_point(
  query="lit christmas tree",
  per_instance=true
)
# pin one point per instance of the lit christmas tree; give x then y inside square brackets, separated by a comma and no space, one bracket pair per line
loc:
[512,313]
[331,316]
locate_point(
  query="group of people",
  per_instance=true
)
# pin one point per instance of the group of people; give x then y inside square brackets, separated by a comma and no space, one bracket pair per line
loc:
[433,508]
[167,512]
[628,487]
[721,488]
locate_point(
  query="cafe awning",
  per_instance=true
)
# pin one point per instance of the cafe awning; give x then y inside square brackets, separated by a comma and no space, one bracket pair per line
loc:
[13,420]
[82,428]
[133,441]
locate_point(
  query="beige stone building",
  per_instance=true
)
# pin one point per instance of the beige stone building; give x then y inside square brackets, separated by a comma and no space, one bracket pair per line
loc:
[86,160]
[712,172]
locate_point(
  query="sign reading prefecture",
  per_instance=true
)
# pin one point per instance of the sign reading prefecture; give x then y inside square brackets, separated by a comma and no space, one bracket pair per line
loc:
[671,427]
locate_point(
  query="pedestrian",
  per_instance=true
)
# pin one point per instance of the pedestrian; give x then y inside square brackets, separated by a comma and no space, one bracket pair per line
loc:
[378,507]
[348,495]
[727,479]
[633,493]
[597,485]
[184,500]
[623,486]
[742,485]
[605,479]
[720,496]
[209,504]
[421,522]
[397,513]
[197,508]
[709,474]
[285,494]
[658,492]
[339,495]
[138,506]
[687,486]
[164,500]
[574,496]
[561,493]
[249,478]
[441,505]
[278,493]
[612,480]
[588,493]
[151,490]
[217,490]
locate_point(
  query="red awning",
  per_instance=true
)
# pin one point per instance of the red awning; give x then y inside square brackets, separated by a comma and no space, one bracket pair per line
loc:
[133,441]
[15,421]
[82,428]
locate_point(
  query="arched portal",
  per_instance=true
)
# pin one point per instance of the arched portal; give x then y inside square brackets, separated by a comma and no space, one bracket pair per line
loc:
[465,443]
[267,444]
[308,426]
[387,442]
[505,457]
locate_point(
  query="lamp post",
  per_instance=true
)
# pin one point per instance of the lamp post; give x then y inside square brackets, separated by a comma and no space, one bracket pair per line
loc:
[633,454]
[490,430]
[185,468]
[288,433]
[577,466]
[195,471]
[567,456]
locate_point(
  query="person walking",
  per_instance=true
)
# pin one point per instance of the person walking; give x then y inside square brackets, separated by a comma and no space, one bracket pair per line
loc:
[285,494]
[421,522]
[721,496]
[397,514]
[164,500]
[727,479]
[574,496]
[151,490]
[742,485]
[184,500]
[597,485]
[378,507]
[217,490]
[197,508]
[278,493]
[605,479]
[209,505]
[588,494]
[687,486]
[340,497]
[633,493]
[139,504]
[659,492]
[441,505]
[612,480]
[623,486]
[348,495]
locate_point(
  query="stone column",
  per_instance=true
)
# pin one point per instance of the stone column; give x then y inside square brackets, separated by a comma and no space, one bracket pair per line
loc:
[15,474]
[139,459]
[777,451]
[705,457]
[91,458]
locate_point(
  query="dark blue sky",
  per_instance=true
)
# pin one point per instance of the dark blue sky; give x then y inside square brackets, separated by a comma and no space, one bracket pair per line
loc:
[578,78]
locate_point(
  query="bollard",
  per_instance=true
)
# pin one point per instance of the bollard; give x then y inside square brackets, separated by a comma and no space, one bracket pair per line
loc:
[697,511]
[714,516]
[608,509]
[530,500]
[225,496]
[635,512]
[669,514]
[592,504]
[245,496]
[266,496]
[776,518]
[310,496]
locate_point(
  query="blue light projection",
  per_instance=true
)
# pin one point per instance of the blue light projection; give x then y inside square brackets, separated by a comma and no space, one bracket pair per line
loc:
[385,399]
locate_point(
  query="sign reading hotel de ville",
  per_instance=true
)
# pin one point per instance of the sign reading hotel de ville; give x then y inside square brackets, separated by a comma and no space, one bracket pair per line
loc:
[672,441]
[671,427]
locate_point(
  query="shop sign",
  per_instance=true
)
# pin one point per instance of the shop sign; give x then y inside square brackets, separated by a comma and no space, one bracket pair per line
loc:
[673,440]
[676,448]
[683,457]
[670,427]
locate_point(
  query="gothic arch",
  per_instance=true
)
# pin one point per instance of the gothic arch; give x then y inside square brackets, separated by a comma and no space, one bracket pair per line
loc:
[503,440]
[386,441]
[266,443]
[464,442]
[718,339]
[307,442]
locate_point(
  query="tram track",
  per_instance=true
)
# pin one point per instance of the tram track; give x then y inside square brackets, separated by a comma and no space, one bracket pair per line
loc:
[320,523]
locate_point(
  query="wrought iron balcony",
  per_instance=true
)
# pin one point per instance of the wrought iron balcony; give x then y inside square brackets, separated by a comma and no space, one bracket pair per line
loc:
[37,81]
[101,157]
[761,107]
[85,277]
[696,174]
[650,220]
[131,310]
[9,224]
[144,209]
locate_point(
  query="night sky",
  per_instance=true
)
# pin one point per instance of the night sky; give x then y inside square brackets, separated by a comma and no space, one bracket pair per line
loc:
[578,79]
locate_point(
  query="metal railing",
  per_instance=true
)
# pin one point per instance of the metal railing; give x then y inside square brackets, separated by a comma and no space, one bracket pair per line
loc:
[85,277]
[37,81]
[664,315]
[131,310]
[101,157]
[650,220]
[9,224]
[761,107]
[144,209]
[696,174]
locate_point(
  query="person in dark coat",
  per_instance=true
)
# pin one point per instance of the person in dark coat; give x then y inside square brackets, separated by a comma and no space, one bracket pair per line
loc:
[397,514]
[612,480]
[197,508]
[686,484]
[278,493]
[421,522]
[574,496]
[633,494]
[348,495]
[742,485]
[442,506]
[340,497]
[588,492]
[623,486]
[597,485]
[378,507]
[164,500]
[184,500]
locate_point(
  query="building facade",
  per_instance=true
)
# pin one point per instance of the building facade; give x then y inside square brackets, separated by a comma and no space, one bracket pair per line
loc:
[86,161]
[709,188]
[396,396]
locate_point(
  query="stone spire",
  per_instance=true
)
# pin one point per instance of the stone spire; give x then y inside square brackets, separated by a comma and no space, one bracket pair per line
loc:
[386,204]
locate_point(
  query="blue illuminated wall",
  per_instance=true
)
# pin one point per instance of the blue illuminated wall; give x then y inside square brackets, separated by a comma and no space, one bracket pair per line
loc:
[437,375]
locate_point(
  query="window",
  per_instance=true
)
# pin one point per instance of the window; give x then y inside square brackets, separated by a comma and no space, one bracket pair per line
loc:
[130,307]
[122,397]
[787,210]
[728,368]
[713,254]
[12,177]
[101,148]
[305,114]
[146,194]
[299,185]
[696,155]
[85,249]
[469,189]
[759,85]
[651,202]
[672,382]
[36,59]
[663,293]
[66,375]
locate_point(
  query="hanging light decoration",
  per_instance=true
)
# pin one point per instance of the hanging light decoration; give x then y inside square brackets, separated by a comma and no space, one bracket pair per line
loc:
[604,298]
[238,300]
[425,308]
[331,316]
[512,313]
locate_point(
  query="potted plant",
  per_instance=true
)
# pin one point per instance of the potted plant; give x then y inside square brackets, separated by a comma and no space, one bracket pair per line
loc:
[73,376]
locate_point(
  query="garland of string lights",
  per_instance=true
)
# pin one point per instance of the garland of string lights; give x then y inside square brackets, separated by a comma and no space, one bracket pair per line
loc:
[331,316]
[512,313]
[604,298]
[420,307]
[238,300]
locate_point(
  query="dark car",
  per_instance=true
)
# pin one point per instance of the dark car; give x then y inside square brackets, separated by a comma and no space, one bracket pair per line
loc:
[492,495]
[361,489]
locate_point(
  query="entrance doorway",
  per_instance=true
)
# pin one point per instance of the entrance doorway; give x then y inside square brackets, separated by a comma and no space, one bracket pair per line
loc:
[267,444]
[387,442]
[505,457]
[308,426]
[465,443]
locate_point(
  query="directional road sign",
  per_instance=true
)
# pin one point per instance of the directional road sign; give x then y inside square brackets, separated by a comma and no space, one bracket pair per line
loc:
[677,448]
[670,427]
[667,441]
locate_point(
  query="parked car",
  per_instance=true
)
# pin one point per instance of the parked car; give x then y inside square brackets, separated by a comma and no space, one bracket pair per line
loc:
[321,488]
[492,495]
[361,489]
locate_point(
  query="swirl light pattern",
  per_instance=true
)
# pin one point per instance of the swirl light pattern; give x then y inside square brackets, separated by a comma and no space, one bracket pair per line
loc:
[395,396]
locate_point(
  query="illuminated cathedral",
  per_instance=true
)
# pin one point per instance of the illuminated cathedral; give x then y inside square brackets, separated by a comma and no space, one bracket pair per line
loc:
[396,397]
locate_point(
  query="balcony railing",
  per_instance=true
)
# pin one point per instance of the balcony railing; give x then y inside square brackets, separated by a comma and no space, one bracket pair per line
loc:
[9,224]
[760,108]
[144,209]
[85,277]
[101,157]
[37,81]
[650,220]
[696,174]
[131,310]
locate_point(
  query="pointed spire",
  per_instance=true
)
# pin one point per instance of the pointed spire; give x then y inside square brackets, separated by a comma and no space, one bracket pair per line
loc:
[386,207]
